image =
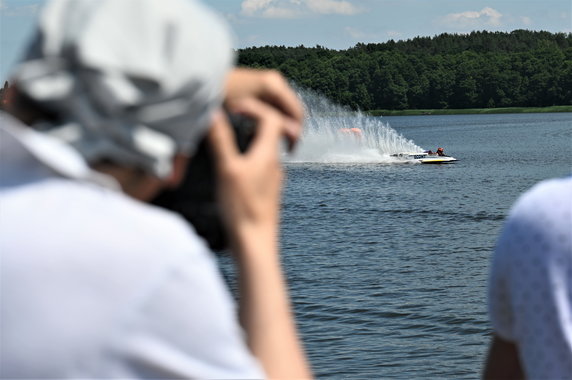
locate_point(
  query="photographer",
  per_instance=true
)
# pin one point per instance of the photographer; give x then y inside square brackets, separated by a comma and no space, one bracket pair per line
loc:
[95,283]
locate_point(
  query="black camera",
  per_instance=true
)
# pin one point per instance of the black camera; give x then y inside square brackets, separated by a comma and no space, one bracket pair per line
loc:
[195,198]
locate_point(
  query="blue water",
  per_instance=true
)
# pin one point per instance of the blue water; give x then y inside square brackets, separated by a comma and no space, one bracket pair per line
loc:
[388,263]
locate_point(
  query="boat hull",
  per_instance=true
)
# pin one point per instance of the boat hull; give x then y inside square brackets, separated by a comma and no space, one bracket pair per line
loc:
[438,160]
[424,158]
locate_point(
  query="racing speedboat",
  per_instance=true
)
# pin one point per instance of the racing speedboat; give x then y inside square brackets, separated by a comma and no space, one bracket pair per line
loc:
[424,158]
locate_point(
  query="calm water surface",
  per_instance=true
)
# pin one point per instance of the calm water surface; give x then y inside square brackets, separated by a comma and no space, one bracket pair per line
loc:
[388,264]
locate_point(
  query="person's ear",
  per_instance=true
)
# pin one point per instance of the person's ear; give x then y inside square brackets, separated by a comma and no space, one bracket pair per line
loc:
[180,162]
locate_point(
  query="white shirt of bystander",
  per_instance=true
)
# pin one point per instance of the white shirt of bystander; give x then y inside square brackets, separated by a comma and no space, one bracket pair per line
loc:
[530,290]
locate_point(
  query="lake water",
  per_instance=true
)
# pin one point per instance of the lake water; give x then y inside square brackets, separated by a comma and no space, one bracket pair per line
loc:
[388,263]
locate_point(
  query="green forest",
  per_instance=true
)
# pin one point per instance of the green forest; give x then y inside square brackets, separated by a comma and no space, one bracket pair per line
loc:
[449,71]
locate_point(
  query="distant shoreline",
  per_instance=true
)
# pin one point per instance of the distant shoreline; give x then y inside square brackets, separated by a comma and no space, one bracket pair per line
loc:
[470,111]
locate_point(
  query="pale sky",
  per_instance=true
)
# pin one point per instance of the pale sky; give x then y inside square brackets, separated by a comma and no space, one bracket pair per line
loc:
[336,24]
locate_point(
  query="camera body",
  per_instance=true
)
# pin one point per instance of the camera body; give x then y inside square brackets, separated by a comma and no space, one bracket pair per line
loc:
[195,199]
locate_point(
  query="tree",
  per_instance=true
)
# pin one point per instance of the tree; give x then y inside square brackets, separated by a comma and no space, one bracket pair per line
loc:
[481,69]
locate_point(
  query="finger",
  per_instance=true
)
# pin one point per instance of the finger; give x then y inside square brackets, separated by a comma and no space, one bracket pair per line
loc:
[271,126]
[221,138]
[271,87]
[268,85]
[293,131]
[279,93]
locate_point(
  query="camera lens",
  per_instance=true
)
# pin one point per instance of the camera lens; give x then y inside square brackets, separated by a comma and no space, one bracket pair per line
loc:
[195,199]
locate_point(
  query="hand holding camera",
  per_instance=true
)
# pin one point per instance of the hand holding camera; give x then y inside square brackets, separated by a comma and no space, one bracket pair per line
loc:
[249,183]
[261,108]
[272,88]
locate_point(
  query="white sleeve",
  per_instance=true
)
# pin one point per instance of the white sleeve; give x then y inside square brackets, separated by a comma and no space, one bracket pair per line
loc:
[187,328]
[530,290]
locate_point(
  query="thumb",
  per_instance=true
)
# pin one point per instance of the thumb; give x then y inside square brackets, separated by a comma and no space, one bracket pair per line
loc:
[221,138]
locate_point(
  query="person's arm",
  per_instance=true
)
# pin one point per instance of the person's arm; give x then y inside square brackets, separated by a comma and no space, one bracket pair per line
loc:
[502,361]
[249,192]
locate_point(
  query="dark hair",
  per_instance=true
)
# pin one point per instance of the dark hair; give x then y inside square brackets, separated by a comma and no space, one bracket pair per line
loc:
[28,110]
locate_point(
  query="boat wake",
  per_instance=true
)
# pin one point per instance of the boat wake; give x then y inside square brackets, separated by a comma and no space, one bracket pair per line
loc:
[336,134]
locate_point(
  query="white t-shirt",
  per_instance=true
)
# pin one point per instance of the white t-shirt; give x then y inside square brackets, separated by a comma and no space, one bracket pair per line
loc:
[94,284]
[530,290]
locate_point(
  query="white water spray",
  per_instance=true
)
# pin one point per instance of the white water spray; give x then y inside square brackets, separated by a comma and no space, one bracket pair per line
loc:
[328,137]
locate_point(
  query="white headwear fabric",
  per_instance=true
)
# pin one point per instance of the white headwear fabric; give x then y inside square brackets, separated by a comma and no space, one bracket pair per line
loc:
[132,81]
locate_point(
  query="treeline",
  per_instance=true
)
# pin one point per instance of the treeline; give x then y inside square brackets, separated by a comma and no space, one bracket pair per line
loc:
[478,70]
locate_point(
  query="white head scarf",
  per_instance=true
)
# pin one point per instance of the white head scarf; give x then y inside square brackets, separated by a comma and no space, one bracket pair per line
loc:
[132,81]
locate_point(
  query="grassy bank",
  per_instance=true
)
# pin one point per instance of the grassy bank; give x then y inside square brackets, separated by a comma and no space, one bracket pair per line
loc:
[470,111]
